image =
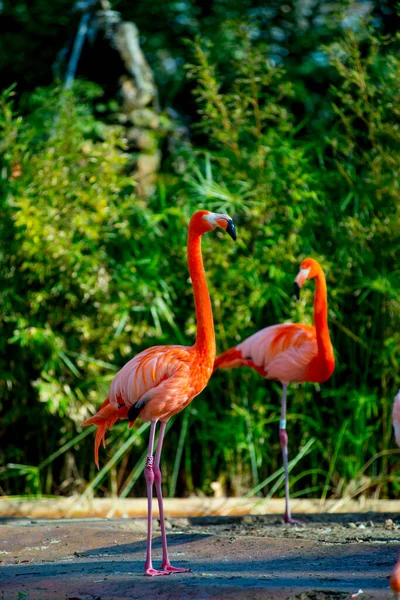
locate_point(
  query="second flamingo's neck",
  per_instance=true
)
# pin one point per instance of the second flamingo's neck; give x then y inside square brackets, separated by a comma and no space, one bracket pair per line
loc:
[321,316]
[205,338]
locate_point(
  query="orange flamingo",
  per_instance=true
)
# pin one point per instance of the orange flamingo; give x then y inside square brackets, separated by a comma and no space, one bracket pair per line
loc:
[288,353]
[395,576]
[161,381]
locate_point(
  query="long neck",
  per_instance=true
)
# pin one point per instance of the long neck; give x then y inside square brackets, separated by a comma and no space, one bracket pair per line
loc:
[321,316]
[205,338]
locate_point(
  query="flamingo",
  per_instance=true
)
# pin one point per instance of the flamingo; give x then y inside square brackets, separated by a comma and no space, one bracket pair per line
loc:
[291,352]
[395,576]
[162,380]
[396,418]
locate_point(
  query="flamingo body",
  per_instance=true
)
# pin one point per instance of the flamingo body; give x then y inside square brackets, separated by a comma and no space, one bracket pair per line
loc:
[287,353]
[396,417]
[161,381]
[395,576]
[154,385]
[395,579]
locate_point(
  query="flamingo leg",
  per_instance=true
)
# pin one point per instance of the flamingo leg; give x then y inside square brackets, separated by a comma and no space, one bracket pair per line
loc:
[149,475]
[283,437]
[166,565]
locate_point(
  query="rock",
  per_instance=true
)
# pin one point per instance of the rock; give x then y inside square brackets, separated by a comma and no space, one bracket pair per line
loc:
[139,89]
[389,524]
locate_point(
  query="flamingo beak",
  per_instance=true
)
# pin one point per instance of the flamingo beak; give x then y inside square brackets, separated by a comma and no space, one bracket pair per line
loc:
[228,224]
[300,279]
[231,229]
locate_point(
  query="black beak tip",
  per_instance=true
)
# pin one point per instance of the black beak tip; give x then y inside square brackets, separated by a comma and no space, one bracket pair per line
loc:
[231,229]
[296,290]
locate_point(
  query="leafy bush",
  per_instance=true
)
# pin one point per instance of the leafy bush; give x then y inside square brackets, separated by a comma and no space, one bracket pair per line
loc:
[75,257]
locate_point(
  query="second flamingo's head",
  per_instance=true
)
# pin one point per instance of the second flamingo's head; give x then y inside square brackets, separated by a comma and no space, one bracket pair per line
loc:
[204,220]
[309,268]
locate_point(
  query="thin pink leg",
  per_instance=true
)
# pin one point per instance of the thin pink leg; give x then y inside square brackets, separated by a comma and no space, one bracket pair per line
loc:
[166,565]
[284,445]
[149,475]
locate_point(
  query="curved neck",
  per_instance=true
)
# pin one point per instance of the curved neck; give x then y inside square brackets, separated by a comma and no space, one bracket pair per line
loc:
[205,338]
[321,315]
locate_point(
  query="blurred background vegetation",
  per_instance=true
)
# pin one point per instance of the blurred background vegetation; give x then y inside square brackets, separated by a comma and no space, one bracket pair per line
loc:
[286,116]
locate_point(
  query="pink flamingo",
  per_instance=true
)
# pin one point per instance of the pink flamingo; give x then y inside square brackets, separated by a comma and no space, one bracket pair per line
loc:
[288,353]
[396,417]
[395,576]
[161,381]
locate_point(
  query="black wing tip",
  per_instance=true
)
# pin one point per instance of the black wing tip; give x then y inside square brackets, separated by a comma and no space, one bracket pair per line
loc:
[134,412]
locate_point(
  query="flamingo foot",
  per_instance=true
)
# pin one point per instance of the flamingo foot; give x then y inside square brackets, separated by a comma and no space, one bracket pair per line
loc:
[150,572]
[291,521]
[170,569]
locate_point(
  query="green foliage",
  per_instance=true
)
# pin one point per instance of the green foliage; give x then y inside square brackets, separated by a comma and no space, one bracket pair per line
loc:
[333,195]
[90,274]
[70,269]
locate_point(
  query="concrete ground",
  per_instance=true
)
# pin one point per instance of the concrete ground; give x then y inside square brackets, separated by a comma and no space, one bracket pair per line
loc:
[250,557]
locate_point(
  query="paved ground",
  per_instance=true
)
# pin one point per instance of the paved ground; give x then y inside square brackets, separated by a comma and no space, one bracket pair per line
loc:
[331,557]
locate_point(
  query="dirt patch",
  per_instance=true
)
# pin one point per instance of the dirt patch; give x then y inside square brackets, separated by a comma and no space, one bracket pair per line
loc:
[331,557]
[324,528]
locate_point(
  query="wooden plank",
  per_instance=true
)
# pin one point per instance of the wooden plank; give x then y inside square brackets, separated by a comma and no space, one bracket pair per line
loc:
[75,507]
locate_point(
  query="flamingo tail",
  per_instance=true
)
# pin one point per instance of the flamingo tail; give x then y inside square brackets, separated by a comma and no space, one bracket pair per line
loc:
[105,418]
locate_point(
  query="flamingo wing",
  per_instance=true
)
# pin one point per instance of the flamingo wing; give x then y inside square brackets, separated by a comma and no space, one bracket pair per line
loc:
[283,352]
[148,374]
[154,373]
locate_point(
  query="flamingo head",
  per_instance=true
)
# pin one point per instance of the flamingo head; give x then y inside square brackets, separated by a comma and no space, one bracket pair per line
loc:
[309,269]
[204,220]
